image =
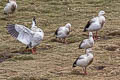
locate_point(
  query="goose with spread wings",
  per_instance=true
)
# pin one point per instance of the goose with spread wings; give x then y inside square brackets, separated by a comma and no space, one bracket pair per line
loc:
[84,60]
[27,36]
[96,23]
[63,32]
[10,7]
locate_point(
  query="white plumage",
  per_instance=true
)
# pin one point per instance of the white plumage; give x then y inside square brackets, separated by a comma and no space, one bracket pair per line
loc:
[84,60]
[87,43]
[10,7]
[25,35]
[63,32]
[34,27]
[96,23]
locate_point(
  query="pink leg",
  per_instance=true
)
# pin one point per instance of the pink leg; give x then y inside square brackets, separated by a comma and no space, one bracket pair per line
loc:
[33,51]
[61,40]
[96,36]
[65,41]
[85,72]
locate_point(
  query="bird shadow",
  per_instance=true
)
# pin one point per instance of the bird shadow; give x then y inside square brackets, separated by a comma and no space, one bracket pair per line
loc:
[3,18]
[4,56]
[55,40]
[75,72]
[104,37]
[101,67]
[22,52]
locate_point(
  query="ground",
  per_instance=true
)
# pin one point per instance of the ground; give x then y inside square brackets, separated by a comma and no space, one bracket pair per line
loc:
[54,60]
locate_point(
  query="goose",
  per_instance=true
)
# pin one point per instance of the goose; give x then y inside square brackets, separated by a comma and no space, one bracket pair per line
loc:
[63,32]
[95,23]
[87,43]
[84,60]
[26,36]
[10,7]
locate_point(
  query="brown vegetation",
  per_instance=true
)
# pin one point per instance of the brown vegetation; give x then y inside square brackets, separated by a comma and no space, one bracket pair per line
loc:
[54,60]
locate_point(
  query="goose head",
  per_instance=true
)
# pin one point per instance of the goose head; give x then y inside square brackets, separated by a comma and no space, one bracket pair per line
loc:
[101,13]
[89,50]
[68,25]
[90,34]
[34,20]
[11,0]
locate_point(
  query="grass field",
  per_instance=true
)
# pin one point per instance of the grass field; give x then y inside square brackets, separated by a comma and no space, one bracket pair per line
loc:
[54,60]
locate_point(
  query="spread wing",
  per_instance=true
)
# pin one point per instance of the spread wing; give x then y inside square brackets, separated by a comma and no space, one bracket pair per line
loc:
[20,32]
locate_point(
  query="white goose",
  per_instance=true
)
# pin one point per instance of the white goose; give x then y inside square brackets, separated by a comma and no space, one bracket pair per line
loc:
[10,7]
[84,60]
[96,23]
[26,36]
[63,32]
[87,43]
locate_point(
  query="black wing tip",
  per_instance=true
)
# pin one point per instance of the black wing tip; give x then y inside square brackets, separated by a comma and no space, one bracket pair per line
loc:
[80,45]
[5,13]
[34,19]
[84,30]
[74,64]
[87,26]
[56,32]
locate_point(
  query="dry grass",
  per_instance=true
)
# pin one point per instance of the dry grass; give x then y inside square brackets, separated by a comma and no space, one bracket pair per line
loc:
[53,60]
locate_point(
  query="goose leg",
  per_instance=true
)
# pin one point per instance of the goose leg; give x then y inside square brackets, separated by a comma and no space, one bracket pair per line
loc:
[83,69]
[96,36]
[57,39]
[85,50]
[34,49]
[85,72]
[33,52]
[65,41]
[62,40]
[26,49]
